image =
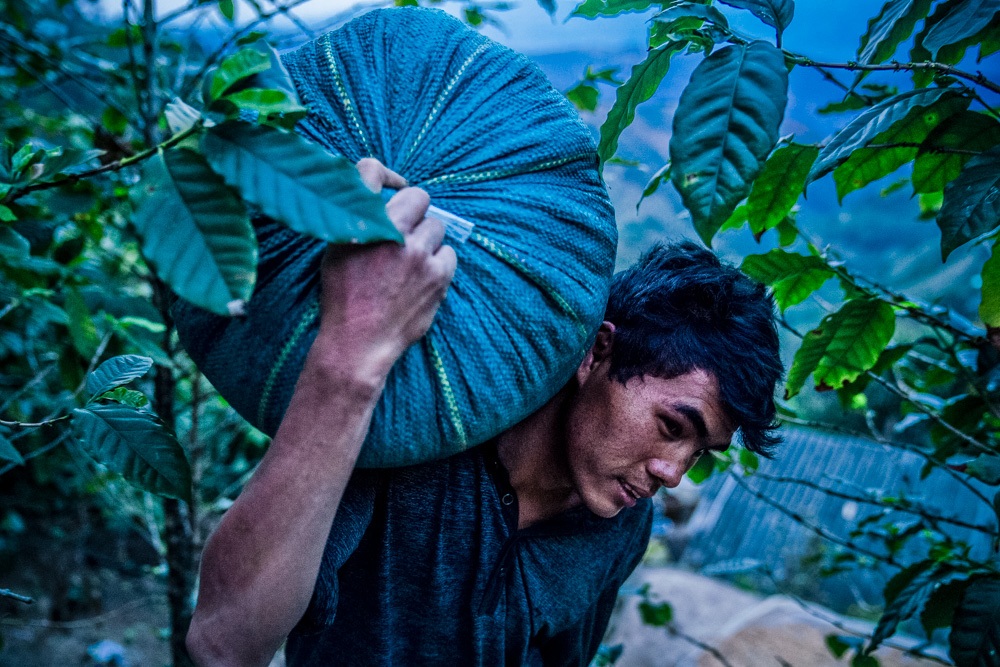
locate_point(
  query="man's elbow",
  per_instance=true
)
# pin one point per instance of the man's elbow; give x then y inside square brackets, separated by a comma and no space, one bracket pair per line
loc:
[210,648]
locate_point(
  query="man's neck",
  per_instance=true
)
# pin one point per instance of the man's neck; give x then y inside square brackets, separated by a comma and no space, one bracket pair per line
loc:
[534,453]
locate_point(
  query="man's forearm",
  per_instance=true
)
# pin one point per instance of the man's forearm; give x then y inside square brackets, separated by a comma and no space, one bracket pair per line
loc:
[260,566]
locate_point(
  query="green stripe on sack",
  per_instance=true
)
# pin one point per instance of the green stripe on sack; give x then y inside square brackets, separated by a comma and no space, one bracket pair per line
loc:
[454,416]
[308,318]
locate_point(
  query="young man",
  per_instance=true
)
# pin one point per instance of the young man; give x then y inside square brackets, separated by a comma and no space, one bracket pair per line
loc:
[510,553]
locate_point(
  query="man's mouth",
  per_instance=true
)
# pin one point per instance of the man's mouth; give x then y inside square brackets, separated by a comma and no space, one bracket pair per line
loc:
[629,494]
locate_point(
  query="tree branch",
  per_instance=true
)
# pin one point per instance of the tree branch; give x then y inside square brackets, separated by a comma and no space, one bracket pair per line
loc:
[17,193]
[817,529]
[895,66]
[7,593]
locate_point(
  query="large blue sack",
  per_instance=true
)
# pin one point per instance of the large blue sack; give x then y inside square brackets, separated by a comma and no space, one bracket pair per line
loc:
[484,133]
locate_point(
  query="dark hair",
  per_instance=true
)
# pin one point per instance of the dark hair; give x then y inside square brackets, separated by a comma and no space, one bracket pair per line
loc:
[679,309]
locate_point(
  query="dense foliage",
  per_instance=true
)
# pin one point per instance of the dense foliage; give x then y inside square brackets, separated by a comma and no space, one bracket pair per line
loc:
[732,170]
[134,155]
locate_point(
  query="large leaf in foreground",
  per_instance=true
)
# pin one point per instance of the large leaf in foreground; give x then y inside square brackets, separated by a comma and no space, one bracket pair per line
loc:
[779,185]
[975,632]
[792,277]
[846,344]
[890,150]
[135,444]
[116,372]
[971,204]
[298,183]
[949,146]
[906,594]
[725,125]
[195,231]
[964,19]
[869,124]
[641,84]
[775,13]
[888,30]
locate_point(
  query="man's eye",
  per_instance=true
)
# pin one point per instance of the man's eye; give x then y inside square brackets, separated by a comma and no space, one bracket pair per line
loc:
[672,428]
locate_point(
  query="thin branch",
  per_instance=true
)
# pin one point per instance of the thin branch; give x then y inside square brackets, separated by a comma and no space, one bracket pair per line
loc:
[17,193]
[677,632]
[935,417]
[84,622]
[895,66]
[7,593]
[228,44]
[47,422]
[817,529]
[870,500]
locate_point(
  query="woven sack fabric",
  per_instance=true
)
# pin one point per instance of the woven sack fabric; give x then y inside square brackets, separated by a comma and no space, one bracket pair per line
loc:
[483,132]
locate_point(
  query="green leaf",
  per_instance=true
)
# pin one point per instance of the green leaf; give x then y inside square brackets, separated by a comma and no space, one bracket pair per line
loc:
[883,156]
[114,121]
[691,10]
[702,469]
[985,468]
[869,124]
[890,28]
[971,204]
[905,596]
[935,167]
[975,632]
[849,103]
[963,19]
[82,331]
[654,182]
[725,125]
[265,101]
[234,68]
[117,371]
[775,13]
[195,231]
[748,460]
[846,344]
[228,9]
[656,614]
[8,452]
[298,183]
[549,6]
[779,185]
[641,84]
[6,215]
[840,644]
[792,276]
[583,96]
[135,444]
[989,307]
[130,397]
[593,8]
[939,612]
[275,77]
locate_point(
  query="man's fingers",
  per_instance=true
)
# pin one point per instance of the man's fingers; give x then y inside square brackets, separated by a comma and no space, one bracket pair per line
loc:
[427,235]
[447,260]
[376,175]
[407,208]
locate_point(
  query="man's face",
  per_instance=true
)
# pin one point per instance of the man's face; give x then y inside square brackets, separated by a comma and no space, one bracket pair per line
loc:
[624,441]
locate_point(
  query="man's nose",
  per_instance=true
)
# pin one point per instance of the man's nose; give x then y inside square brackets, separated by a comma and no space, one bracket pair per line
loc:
[668,473]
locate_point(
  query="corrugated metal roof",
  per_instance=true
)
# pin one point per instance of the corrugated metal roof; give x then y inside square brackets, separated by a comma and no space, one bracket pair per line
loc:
[732,525]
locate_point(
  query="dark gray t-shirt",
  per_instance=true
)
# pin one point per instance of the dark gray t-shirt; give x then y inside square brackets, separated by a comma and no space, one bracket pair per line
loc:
[425,566]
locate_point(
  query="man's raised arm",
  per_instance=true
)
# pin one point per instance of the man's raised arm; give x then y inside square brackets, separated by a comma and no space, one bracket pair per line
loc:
[259,567]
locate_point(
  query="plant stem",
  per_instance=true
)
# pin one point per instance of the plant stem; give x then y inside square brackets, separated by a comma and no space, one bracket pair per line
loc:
[7,593]
[17,193]
[895,66]
[47,422]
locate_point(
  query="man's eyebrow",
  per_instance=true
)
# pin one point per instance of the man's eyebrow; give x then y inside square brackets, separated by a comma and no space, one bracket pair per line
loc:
[694,416]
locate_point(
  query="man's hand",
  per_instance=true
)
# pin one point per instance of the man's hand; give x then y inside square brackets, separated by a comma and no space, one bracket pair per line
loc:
[260,566]
[379,299]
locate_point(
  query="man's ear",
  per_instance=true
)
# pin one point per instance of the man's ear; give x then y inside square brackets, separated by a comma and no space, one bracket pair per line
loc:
[599,352]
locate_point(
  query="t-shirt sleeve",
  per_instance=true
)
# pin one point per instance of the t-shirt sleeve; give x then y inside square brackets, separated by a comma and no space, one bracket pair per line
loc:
[349,525]
[578,645]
